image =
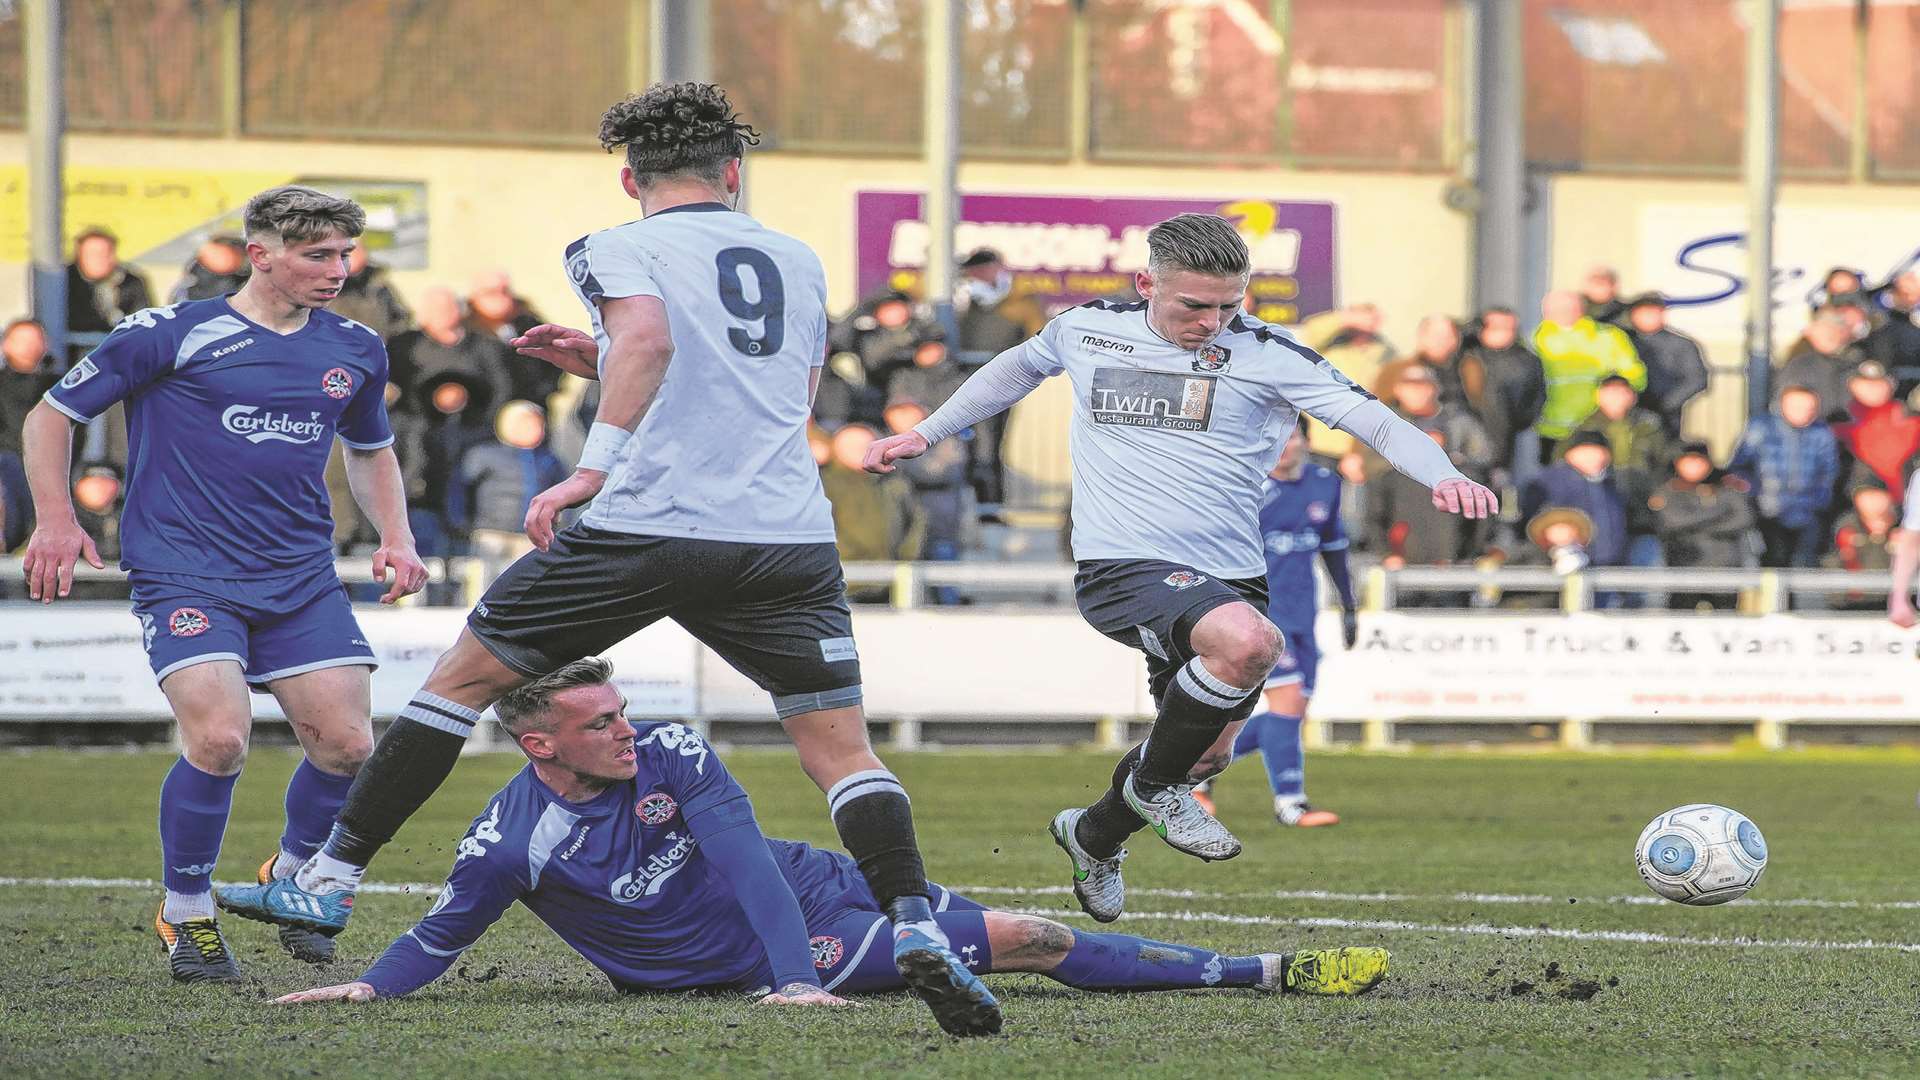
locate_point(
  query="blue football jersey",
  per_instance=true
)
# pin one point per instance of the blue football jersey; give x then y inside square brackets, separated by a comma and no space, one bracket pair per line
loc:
[621,879]
[1298,519]
[229,426]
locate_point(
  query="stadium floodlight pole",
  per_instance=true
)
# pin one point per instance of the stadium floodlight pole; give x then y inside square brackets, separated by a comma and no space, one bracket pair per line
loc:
[46,127]
[940,119]
[1763,179]
[680,42]
[1499,159]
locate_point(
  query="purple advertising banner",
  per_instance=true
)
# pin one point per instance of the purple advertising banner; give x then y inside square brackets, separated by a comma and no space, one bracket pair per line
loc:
[1067,249]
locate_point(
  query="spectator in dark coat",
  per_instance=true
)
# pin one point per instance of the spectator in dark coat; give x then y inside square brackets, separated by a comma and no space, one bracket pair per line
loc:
[991,319]
[1638,442]
[934,376]
[940,490]
[459,416]
[1676,367]
[1600,295]
[27,374]
[494,308]
[495,482]
[1880,437]
[1416,397]
[1821,360]
[1704,519]
[1436,345]
[219,268]
[874,517]
[96,506]
[881,334]
[1791,461]
[100,290]
[1503,382]
[1840,283]
[1863,540]
[369,298]
[1583,480]
[445,346]
[1895,343]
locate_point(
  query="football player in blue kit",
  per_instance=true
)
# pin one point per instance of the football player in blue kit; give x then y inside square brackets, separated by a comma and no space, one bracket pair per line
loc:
[233,404]
[636,847]
[1299,517]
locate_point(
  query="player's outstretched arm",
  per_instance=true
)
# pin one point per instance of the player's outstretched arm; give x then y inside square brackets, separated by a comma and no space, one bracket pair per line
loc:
[995,388]
[1409,450]
[639,347]
[374,478]
[58,541]
[572,351]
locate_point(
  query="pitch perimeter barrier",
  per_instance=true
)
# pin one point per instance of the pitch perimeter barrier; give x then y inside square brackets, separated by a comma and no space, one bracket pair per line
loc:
[1027,674]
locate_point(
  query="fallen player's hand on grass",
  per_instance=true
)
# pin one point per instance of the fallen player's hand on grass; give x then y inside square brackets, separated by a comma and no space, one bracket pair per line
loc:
[353,991]
[805,994]
[884,452]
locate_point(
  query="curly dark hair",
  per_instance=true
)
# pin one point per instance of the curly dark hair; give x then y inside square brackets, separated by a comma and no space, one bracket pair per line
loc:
[685,128]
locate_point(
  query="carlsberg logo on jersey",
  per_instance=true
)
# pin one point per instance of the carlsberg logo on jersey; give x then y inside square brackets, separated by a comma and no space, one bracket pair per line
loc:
[1152,399]
[257,425]
[659,866]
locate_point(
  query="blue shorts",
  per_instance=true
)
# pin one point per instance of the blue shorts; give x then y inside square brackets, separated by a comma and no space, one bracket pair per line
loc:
[1300,664]
[274,627]
[853,951]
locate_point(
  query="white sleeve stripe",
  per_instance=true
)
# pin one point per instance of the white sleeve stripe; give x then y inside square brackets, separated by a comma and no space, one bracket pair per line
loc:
[62,409]
[388,441]
[431,951]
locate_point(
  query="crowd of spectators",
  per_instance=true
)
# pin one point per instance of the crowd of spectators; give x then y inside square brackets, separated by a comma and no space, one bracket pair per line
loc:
[1580,423]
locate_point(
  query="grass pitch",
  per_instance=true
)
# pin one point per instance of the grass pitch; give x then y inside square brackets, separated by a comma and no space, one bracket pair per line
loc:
[1524,944]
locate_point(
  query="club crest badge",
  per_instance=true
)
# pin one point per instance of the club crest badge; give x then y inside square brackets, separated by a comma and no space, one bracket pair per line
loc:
[1212,358]
[337,383]
[655,808]
[188,622]
[827,951]
[1184,579]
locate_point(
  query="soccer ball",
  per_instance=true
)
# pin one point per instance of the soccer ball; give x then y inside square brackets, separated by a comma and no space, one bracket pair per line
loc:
[1701,854]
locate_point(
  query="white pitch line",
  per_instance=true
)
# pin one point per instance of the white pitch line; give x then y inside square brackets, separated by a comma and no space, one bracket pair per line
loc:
[1636,937]
[1432,898]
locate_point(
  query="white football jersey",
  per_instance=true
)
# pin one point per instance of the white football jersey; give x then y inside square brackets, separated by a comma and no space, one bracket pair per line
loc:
[722,454]
[1171,445]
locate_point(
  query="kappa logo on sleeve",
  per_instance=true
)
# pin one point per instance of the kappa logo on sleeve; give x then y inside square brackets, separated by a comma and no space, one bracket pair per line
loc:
[682,739]
[484,833]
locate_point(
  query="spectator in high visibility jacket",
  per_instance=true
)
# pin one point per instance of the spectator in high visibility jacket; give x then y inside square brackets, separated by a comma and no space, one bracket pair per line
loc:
[1576,352]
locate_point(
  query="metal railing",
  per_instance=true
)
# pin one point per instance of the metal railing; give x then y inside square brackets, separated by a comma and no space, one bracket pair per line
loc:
[907,586]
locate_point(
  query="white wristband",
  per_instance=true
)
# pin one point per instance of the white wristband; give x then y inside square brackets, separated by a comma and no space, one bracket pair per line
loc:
[605,444]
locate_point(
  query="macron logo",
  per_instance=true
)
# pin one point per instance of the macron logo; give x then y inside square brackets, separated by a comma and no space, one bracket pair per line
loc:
[231,349]
[256,425]
[1092,341]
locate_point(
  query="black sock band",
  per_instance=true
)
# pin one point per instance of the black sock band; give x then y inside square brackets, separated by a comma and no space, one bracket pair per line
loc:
[1195,708]
[408,765]
[875,820]
[1109,821]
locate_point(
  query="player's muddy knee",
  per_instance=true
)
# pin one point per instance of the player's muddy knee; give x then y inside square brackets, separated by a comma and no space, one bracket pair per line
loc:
[221,753]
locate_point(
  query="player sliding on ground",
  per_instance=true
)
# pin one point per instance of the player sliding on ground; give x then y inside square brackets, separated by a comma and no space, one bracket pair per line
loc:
[1181,404]
[640,851]
[709,331]
[232,407]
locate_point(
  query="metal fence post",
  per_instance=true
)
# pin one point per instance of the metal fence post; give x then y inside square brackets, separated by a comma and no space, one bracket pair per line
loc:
[1574,594]
[906,586]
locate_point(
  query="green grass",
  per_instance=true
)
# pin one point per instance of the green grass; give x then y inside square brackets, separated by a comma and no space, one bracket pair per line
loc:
[85,992]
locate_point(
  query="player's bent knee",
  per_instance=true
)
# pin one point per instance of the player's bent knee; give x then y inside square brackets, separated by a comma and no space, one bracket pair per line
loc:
[1026,942]
[469,671]
[221,752]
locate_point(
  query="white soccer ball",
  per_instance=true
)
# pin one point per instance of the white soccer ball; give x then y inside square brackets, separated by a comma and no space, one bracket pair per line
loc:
[1701,854]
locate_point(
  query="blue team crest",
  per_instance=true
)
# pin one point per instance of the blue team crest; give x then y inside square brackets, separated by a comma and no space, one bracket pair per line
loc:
[1317,512]
[655,808]
[188,622]
[1212,358]
[827,951]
